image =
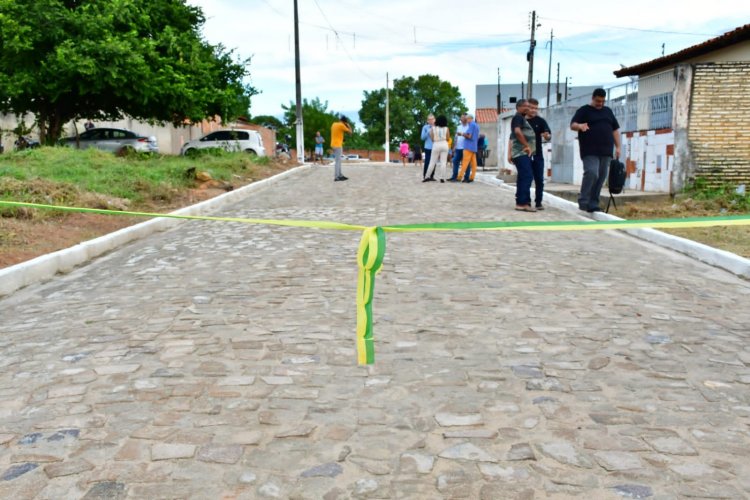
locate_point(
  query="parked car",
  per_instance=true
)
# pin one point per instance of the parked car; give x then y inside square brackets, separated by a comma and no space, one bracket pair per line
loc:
[115,140]
[24,142]
[248,141]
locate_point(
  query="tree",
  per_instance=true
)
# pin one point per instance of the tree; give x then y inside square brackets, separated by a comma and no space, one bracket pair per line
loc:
[410,101]
[71,59]
[315,116]
[267,121]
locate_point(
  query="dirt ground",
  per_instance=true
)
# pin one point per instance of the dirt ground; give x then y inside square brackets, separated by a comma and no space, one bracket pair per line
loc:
[735,239]
[25,239]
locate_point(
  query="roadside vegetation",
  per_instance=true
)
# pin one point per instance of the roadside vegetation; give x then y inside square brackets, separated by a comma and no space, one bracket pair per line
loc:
[700,200]
[98,179]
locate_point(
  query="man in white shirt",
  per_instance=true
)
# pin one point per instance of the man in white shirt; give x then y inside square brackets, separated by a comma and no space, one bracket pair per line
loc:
[458,147]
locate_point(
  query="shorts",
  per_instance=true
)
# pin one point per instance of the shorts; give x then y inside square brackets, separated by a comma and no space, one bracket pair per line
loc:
[319,150]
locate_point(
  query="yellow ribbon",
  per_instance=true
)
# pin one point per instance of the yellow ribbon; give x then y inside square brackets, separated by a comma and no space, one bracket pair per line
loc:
[372,245]
[370,262]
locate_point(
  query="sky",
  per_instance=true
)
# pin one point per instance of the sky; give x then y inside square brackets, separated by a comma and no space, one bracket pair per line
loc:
[348,46]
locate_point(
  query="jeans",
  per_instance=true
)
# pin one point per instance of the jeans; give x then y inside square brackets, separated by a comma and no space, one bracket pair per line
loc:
[458,156]
[595,169]
[537,170]
[523,183]
[337,157]
[427,155]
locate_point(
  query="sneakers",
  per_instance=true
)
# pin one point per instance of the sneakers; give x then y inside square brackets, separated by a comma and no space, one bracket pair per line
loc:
[442,180]
[539,206]
[595,209]
[525,208]
[340,178]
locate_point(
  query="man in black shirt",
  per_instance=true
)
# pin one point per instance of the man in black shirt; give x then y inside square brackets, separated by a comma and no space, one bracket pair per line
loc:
[542,131]
[598,131]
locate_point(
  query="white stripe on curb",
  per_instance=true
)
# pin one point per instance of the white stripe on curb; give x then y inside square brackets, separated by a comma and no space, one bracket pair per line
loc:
[728,261]
[45,267]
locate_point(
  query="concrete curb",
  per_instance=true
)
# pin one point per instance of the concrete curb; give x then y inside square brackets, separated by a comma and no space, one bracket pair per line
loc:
[45,267]
[722,259]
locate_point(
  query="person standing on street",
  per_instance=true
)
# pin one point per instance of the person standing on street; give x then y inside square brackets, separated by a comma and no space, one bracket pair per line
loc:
[417,151]
[542,133]
[440,134]
[471,144]
[598,132]
[319,140]
[523,145]
[337,144]
[458,145]
[425,136]
[403,148]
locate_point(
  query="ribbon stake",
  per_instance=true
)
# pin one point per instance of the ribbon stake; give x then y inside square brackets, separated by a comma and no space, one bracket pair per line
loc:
[370,261]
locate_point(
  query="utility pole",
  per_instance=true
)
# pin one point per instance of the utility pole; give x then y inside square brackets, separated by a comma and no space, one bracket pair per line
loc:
[499,97]
[298,82]
[557,88]
[530,55]
[549,68]
[387,122]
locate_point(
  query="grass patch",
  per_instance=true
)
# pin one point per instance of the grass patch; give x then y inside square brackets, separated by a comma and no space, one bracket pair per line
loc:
[97,179]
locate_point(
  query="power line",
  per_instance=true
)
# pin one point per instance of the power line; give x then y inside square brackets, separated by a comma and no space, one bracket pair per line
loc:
[628,28]
[343,46]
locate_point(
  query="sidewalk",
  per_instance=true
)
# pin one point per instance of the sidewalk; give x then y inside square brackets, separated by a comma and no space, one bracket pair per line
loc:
[217,360]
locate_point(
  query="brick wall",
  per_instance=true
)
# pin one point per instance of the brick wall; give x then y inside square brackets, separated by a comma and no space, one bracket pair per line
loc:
[719,126]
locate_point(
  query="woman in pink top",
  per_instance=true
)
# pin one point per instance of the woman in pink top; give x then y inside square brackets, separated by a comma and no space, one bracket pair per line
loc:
[404,150]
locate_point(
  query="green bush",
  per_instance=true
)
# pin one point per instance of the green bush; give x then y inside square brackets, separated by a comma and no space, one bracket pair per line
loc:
[723,196]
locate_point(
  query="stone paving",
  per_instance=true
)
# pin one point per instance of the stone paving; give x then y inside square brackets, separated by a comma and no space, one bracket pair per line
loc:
[217,360]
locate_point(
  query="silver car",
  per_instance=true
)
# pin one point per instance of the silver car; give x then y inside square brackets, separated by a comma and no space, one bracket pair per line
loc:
[248,141]
[116,140]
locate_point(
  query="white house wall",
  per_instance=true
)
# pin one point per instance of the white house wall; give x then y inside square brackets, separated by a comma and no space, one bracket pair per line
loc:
[649,158]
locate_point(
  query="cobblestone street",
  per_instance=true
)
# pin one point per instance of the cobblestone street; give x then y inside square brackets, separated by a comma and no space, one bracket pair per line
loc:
[217,360]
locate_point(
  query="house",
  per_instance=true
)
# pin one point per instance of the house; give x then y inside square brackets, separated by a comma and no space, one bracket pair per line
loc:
[692,115]
[486,118]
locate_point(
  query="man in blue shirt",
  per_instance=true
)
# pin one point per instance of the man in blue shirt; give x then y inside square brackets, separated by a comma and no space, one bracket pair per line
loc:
[471,144]
[427,142]
[598,132]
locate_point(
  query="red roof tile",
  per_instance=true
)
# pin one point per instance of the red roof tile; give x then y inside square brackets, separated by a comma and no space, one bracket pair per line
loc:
[486,115]
[735,36]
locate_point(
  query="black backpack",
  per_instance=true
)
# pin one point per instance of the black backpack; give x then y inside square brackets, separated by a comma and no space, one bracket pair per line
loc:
[617,175]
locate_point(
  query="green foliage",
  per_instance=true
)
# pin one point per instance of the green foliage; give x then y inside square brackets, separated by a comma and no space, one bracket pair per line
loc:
[410,101]
[64,175]
[315,117]
[267,121]
[723,196]
[69,59]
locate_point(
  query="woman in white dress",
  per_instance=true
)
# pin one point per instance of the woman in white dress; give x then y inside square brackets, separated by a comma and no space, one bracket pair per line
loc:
[439,134]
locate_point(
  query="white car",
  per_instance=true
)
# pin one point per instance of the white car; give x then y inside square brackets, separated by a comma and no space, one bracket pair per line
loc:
[248,141]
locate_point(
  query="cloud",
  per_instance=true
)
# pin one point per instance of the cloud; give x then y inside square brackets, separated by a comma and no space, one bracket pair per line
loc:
[348,46]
